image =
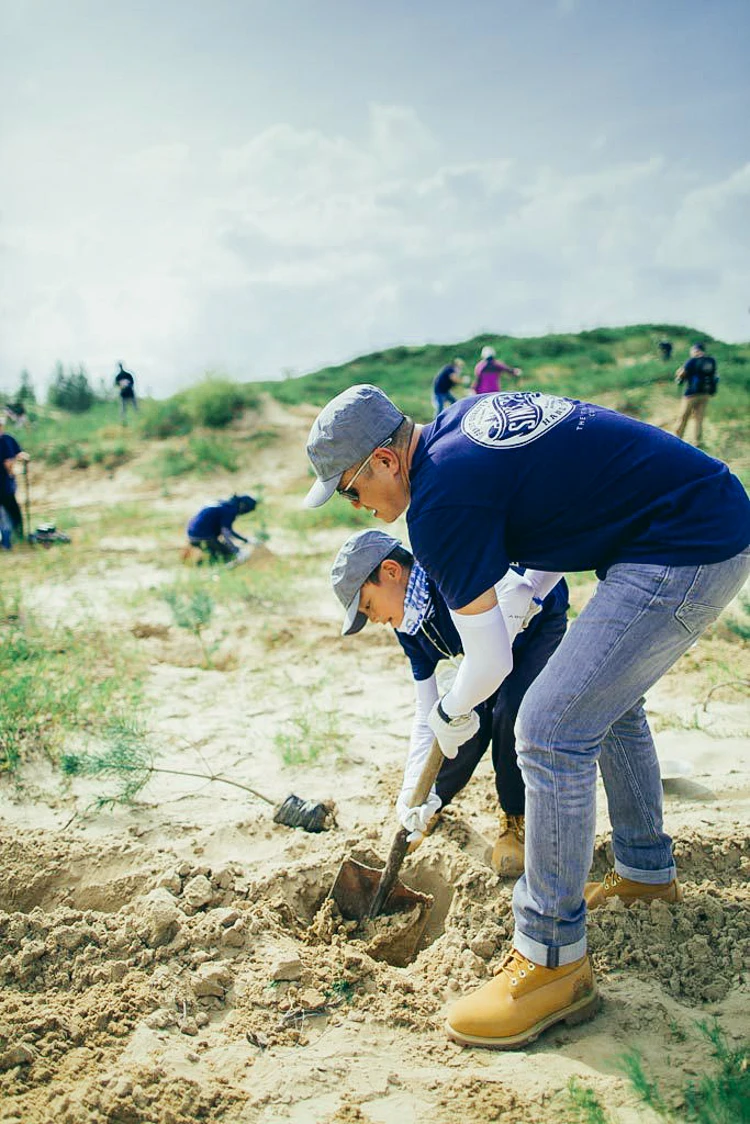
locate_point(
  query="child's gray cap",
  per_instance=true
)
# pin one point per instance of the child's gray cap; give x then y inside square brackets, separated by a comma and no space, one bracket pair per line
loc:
[354,563]
[346,431]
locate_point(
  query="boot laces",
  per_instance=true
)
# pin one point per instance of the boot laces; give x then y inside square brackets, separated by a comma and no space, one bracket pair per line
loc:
[517,825]
[515,967]
[611,880]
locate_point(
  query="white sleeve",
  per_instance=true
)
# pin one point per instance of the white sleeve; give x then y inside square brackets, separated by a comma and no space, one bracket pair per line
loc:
[487,659]
[542,581]
[420,743]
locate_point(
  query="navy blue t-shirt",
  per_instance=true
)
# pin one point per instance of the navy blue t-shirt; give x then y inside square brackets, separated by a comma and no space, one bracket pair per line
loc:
[207,524]
[9,448]
[700,375]
[559,485]
[440,636]
[443,379]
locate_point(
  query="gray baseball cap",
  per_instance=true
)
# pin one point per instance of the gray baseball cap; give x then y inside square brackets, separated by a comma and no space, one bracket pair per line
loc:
[354,563]
[346,431]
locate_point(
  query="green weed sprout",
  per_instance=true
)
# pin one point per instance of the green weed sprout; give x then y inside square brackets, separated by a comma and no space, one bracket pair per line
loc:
[192,612]
[720,1097]
[584,1105]
[307,735]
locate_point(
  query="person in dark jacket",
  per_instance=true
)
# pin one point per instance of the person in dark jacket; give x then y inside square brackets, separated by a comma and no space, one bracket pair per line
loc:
[212,528]
[698,376]
[125,383]
[10,452]
[442,387]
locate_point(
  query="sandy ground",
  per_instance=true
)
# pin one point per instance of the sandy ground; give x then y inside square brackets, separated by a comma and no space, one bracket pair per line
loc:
[173,961]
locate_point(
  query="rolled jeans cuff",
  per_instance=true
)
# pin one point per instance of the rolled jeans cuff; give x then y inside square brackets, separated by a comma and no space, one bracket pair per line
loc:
[545,956]
[648,877]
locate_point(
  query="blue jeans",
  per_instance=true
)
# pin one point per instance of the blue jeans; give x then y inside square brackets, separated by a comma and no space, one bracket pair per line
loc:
[442,401]
[587,706]
[497,719]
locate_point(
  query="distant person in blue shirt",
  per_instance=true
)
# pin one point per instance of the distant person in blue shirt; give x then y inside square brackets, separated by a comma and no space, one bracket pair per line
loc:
[212,528]
[378,579]
[698,376]
[442,388]
[10,452]
[556,486]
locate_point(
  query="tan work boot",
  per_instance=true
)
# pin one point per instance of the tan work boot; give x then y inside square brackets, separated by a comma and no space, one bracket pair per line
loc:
[507,854]
[521,1001]
[615,886]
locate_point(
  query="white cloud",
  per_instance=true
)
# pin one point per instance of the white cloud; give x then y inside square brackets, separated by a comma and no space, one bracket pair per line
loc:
[298,248]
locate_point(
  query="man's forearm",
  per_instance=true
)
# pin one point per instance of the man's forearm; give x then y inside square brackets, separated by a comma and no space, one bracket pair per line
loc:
[487,659]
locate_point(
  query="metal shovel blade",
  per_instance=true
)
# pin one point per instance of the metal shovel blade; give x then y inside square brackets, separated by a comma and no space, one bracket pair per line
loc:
[353,891]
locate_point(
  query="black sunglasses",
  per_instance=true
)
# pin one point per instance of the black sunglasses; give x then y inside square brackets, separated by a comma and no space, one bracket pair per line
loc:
[350,493]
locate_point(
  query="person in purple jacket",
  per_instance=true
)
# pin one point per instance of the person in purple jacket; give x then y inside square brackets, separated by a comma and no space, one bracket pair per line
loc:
[488,372]
[556,486]
[212,528]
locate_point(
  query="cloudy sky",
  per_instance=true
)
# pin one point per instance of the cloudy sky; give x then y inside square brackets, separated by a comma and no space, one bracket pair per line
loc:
[259,186]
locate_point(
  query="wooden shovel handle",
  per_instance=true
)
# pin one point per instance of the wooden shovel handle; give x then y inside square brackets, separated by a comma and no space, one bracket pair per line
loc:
[428,776]
[397,854]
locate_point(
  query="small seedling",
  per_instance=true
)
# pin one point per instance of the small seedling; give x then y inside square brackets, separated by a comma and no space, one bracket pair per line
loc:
[192,612]
[127,760]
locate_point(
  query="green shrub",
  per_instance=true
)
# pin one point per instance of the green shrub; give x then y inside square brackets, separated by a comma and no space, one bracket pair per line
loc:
[165,419]
[215,402]
[71,391]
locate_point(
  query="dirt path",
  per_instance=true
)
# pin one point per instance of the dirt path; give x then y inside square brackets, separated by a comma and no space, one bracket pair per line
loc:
[169,963]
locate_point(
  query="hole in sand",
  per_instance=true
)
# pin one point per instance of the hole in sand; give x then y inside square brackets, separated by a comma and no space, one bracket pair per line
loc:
[334,905]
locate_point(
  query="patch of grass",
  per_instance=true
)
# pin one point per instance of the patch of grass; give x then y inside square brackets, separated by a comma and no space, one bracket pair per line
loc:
[309,735]
[57,680]
[584,1105]
[201,456]
[739,627]
[261,438]
[718,1097]
[212,453]
[334,514]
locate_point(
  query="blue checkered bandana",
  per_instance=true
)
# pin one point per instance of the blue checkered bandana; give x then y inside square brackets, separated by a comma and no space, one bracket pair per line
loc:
[417,601]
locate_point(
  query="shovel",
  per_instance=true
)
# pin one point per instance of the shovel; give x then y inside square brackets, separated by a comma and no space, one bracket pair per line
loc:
[364,892]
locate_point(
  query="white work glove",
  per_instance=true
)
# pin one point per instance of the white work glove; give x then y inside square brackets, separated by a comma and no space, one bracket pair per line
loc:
[515,596]
[451,733]
[415,820]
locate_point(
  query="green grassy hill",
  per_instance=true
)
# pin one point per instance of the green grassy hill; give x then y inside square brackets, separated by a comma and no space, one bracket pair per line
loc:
[619,367]
[604,359]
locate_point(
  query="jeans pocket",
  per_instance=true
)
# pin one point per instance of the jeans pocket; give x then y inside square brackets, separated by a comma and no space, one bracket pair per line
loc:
[695,616]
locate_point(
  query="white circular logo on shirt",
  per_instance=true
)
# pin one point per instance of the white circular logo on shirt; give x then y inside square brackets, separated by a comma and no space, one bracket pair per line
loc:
[509,420]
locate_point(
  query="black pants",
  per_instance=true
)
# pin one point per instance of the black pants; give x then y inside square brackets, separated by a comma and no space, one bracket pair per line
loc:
[10,503]
[497,719]
[217,549]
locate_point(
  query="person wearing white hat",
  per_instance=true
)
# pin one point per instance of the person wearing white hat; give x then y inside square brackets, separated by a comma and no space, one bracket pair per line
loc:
[489,370]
